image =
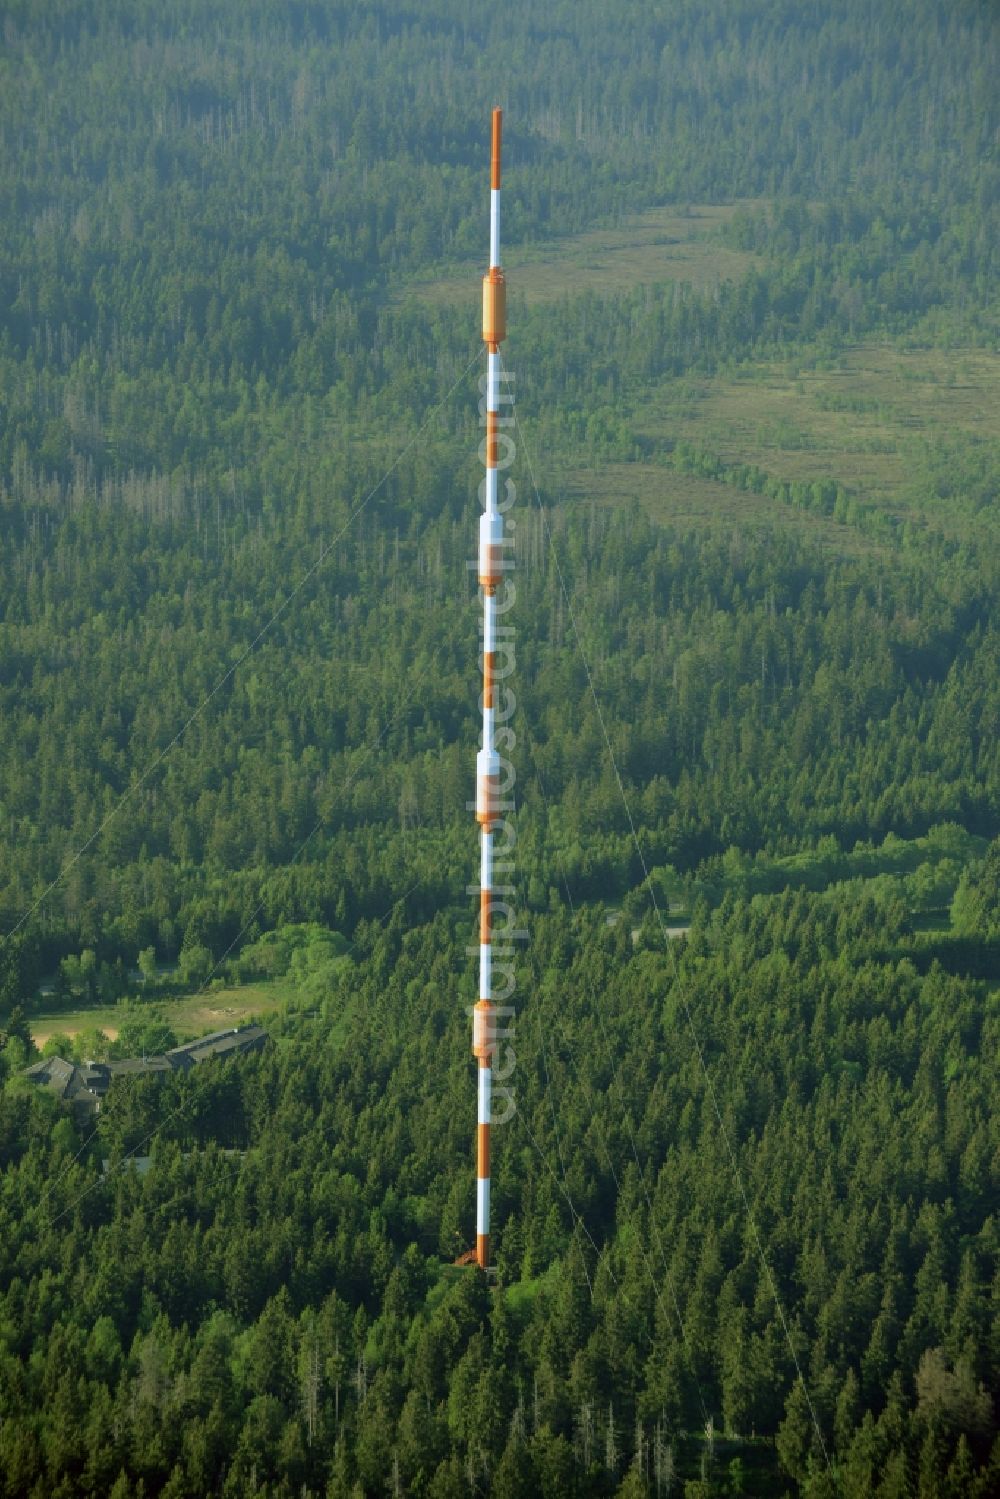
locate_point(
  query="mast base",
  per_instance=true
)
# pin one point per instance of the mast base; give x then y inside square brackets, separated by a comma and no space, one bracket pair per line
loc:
[470,1261]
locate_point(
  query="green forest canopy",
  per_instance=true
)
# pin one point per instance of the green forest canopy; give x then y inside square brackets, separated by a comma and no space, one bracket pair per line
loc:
[214,232]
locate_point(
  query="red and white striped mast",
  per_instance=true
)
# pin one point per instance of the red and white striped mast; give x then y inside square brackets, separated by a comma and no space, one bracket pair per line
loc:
[491,540]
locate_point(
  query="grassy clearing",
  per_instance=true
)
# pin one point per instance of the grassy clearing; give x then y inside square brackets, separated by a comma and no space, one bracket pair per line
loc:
[663,244]
[865,421]
[922,872]
[189,1016]
[687,500]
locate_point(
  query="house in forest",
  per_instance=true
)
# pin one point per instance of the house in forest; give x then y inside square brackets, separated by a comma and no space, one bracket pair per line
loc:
[84,1085]
[229,1043]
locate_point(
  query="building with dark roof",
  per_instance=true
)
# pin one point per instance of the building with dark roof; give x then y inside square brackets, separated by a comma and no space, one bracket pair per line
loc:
[230,1043]
[54,1073]
[84,1085]
[138,1066]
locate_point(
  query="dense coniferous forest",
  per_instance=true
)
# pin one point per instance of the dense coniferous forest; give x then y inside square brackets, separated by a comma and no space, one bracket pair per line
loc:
[746,1205]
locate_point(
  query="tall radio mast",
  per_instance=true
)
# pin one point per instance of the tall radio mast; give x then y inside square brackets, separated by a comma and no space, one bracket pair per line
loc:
[491,539]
